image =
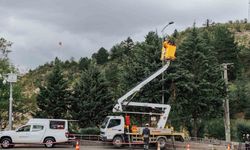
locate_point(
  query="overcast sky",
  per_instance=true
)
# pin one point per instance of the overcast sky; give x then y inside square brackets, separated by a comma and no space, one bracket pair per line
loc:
[83,26]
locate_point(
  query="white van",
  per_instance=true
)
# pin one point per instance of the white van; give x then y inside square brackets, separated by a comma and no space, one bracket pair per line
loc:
[37,131]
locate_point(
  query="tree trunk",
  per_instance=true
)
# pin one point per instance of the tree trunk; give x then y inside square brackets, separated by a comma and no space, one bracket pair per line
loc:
[195,127]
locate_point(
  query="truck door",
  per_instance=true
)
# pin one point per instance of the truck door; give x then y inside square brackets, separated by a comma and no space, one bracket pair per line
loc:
[22,135]
[115,127]
[37,133]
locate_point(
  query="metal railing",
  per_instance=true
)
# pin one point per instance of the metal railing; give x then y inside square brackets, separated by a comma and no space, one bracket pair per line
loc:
[87,137]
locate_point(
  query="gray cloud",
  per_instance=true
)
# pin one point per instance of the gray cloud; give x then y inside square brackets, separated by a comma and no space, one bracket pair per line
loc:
[83,26]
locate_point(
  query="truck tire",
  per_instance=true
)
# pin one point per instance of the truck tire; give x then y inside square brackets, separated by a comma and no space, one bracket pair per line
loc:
[117,141]
[49,142]
[6,143]
[162,142]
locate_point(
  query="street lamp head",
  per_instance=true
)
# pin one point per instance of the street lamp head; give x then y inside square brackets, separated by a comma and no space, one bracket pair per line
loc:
[166,26]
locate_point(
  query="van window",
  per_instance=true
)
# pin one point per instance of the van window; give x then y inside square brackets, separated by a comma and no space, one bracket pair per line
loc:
[24,129]
[57,125]
[37,128]
[114,122]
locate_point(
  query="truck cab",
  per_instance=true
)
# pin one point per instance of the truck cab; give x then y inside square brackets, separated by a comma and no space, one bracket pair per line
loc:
[112,128]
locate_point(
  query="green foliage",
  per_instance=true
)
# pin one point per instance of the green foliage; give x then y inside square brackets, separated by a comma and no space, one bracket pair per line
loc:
[239,98]
[18,98]
[243,128]
[53,98]
[90,131]
[4,48]
[227,50]
[84,63]
[120,51]
[101,56]
[215,128]
[91,101]
[197,80]
[143,61]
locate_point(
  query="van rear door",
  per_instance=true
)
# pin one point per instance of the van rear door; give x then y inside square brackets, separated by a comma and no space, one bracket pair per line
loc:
[59,130]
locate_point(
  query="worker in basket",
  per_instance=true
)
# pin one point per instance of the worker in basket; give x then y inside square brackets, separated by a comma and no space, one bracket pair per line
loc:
[145,135]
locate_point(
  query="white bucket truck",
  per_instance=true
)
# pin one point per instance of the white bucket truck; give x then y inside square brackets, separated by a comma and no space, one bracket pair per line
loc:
[114,128]
[37,131]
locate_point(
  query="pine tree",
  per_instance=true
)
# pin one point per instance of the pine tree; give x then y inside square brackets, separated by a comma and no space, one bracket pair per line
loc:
[84,63]
[114,70]
[101,56]
[197,80]
[143,61]
[224,44]
[120,51]
[91,102]
[53,99]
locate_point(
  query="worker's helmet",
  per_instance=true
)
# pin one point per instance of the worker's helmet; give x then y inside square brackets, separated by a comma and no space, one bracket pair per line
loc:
[147,124]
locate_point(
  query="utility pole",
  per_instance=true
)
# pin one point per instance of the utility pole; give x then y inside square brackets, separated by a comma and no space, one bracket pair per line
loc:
[163,63]
[226,105]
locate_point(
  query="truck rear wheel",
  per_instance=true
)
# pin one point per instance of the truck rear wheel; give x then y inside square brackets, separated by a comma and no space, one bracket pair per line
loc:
[49,142]
[117,141]
[162,142]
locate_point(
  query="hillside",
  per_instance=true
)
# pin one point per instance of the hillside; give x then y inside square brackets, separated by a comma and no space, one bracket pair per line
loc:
[129,62]
[35,78]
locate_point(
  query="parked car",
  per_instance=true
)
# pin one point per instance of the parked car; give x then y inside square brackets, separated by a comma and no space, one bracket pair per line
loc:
[37,131]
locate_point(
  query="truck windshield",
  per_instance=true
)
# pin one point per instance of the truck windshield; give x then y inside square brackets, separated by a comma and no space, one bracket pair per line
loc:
[104,123]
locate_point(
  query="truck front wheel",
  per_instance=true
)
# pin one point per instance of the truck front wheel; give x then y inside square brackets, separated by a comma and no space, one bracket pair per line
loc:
[117,141]
[6,143]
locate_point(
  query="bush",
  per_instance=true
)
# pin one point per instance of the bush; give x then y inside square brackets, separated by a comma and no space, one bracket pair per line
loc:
[242,128]
[215,128]
[90,130]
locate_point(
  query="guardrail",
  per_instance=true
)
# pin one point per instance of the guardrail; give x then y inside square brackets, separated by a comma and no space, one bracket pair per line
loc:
[88,137]
[189,139]
[206,141]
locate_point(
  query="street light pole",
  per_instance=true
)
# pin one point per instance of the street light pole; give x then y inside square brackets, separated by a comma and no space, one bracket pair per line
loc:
[10,107]
[163,88]
[11,78]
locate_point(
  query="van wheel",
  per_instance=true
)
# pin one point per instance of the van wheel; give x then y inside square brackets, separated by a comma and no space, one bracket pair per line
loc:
[6,143]
[117,141]
[49,142]
[162,142]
